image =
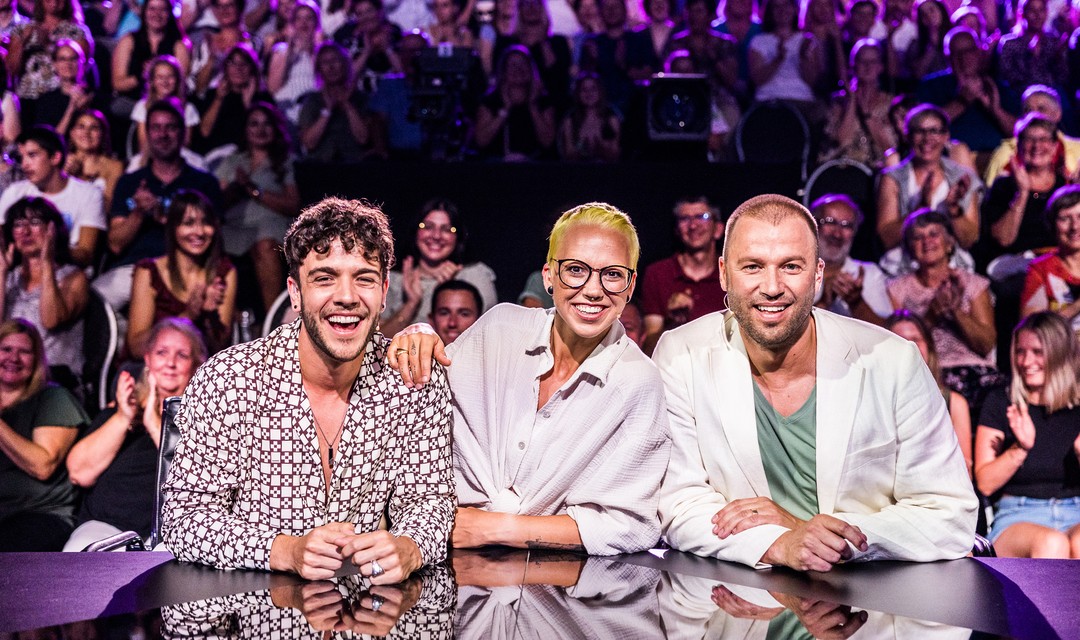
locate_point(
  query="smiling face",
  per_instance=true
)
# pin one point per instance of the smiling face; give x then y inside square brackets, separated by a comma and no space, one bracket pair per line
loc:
[436,238]
[163,132]
[171,360]
[340,295]
[836,231]
[86,134]
[1037,146]
[928,135]
[931,245]
[770,275]
[157,15]
[195,233]
[1030,360]
[452,313]
[1067,229]
[163,80]
[16,360]
[698,227]
[588,311]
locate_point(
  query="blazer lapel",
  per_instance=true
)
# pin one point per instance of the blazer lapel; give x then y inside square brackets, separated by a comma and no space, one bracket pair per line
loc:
[839,386]
[735,405]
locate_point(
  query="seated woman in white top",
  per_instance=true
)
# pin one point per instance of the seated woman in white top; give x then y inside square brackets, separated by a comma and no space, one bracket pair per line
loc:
[560,425]
[438,253]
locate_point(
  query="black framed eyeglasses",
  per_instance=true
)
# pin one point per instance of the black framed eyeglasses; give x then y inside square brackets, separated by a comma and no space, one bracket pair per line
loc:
[614,278]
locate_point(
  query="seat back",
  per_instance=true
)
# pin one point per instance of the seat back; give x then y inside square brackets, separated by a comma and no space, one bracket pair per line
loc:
[276,314]
[773,133]
[100,340]
[170,435]
[855,180]
[849,177]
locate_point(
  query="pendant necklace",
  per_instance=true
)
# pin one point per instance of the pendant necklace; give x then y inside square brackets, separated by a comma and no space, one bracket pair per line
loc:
[329,444]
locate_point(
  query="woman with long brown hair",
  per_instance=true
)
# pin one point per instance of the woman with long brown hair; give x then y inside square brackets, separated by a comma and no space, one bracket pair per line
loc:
[193,279]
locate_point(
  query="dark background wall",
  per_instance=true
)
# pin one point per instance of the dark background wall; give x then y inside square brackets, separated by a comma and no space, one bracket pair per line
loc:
[510,207]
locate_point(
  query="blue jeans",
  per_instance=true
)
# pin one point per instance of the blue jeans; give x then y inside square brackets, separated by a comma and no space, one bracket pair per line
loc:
[1056,513]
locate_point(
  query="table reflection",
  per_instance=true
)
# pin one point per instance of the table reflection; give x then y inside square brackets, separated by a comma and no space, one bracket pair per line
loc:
[518,594]
[696,607]
[349,606]
[509,594]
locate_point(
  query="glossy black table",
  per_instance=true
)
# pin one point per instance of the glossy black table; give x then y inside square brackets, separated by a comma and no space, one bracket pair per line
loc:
[500,593]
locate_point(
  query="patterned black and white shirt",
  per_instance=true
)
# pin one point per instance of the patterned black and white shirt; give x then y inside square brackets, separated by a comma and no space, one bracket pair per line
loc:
[247,466]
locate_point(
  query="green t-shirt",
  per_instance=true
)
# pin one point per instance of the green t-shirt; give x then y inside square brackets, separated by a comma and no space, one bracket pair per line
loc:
[53,406]
[789,453]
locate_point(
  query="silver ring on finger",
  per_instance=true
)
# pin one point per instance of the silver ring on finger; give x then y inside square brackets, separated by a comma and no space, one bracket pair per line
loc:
[376,603]
[376,569]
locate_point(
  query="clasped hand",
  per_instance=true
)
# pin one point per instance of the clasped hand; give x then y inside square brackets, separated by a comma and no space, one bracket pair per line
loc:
[321,552]
[374,613]
[810,545]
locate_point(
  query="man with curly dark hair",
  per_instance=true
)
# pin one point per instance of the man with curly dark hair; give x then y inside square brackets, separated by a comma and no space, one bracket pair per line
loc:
[295,445]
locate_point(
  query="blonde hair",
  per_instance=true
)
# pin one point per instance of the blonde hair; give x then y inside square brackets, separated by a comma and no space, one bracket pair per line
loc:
[40,374]
[598,214]
[774,209]
[1060,389]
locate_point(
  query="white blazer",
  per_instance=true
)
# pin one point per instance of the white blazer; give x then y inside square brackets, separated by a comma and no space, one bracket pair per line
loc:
[888,460]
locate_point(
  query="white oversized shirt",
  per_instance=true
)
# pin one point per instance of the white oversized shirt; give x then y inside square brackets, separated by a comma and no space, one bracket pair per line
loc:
[596,451]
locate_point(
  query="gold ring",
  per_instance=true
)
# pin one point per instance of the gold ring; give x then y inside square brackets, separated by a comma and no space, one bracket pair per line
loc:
[399,351]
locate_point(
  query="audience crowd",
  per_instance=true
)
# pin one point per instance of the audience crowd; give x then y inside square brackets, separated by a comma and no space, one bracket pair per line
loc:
[150,148]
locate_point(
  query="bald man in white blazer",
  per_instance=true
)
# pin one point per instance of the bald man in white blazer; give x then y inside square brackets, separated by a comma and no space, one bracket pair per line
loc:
[890,478]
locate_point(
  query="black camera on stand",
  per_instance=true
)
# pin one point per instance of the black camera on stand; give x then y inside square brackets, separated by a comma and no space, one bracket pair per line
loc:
[446,75]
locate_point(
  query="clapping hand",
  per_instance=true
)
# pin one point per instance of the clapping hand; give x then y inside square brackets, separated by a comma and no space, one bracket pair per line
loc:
[848,287]
[1022,427]
[126,399]
[7,257]
[213,295]
[947,298]
[1020,174]
[48,244]
[145,200]
[152,410]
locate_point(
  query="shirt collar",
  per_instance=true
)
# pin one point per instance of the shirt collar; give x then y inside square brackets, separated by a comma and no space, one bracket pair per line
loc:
[599,362]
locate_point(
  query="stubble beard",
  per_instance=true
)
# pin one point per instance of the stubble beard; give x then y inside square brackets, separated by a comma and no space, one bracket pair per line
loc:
[314,331]
[779,337]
